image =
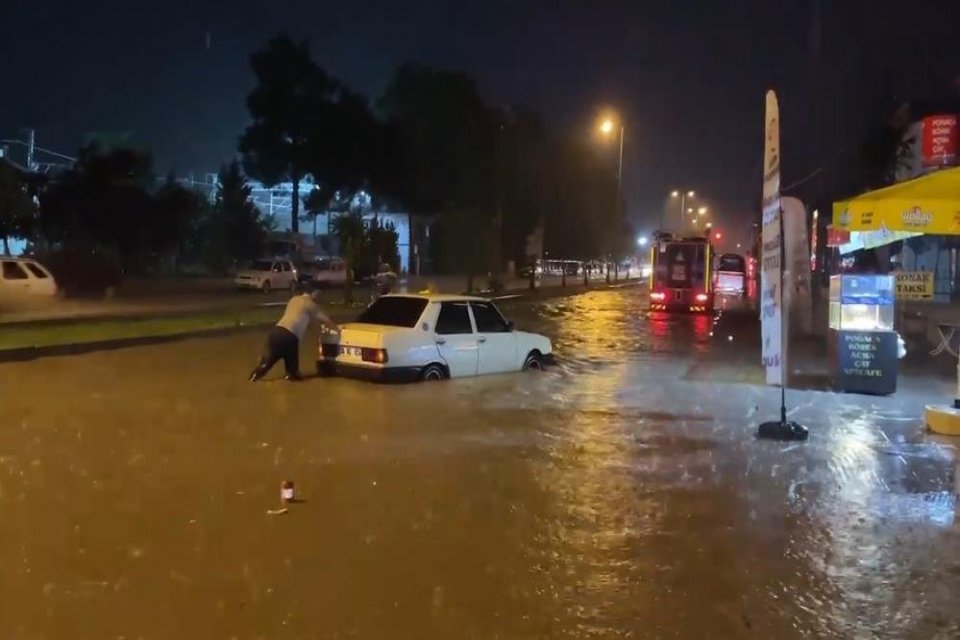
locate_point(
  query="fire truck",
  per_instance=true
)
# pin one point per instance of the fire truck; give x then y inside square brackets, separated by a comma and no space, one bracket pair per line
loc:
[680,278]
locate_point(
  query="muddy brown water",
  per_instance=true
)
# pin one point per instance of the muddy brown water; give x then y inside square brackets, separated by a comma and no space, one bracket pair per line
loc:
[615,496]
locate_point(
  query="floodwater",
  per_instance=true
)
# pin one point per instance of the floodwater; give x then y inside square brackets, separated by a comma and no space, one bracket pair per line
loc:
[619,495]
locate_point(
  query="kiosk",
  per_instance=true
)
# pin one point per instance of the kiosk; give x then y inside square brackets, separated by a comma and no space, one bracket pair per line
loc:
[862,342]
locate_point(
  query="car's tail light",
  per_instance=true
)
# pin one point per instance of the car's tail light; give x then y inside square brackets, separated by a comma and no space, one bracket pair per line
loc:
[378,356]
[658,296]
[701,297]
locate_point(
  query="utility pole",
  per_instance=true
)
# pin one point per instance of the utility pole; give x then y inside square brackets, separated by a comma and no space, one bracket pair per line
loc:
[31,143]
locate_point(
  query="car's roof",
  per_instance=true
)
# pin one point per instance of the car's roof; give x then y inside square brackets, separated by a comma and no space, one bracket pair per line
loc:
[18,259]
[438,297]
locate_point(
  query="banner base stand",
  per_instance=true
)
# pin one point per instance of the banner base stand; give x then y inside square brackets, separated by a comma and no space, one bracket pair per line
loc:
[783,430]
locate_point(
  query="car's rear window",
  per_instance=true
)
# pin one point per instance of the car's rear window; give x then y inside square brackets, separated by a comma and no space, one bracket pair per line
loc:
[261,265]
[394,312]
[731,262]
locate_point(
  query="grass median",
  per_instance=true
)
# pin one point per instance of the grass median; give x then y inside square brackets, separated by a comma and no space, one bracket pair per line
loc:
[89,331]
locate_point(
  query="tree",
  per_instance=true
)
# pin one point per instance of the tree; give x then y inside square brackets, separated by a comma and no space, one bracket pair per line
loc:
[178,218]
[445,140]
[582,221]
[102,206]
[235,229]
[443,132]
[17,209]
[305,122]
[348,228]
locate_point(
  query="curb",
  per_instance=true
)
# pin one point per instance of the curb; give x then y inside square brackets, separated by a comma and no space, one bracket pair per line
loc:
[25,354]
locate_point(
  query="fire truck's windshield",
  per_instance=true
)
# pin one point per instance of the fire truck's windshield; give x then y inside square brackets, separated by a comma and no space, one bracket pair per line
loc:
[680,265]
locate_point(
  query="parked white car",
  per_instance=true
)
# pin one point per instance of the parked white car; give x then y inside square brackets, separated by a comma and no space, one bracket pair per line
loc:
[25,277]
[267,275]
[330,272]
[404,338]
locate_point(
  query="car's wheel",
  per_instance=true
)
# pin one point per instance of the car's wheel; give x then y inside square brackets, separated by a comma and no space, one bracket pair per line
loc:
[534,362]
[265,287]
[433,373]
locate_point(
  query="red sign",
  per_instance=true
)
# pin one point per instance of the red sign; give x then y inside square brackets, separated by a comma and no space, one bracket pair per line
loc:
[837,237]
[941,138]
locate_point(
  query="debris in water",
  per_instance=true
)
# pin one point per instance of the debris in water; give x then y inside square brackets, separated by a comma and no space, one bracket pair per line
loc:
[277,512]
[286,491]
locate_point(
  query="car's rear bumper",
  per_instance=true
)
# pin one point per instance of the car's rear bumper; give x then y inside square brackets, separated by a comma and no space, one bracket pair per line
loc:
[387,375]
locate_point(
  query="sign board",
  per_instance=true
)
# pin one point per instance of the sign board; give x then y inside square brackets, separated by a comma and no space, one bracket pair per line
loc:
[941,138]
[867,362]
[836,236]
[915,285]
[911,218]
[797,299]
[771,293]
[909,162]
[857,240]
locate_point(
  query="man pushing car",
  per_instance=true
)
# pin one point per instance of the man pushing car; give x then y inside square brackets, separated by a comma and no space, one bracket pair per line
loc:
[283,341]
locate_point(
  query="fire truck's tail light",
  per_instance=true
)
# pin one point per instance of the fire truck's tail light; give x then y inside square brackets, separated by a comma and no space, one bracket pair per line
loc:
[659,296]
[701,297]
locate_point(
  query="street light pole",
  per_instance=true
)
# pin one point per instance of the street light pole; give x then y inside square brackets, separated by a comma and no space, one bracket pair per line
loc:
[620,168]
[683,195]
[616,266]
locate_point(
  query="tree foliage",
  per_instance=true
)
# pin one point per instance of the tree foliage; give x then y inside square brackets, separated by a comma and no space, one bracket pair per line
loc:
[178,222]
[17,209]
[234,229]
[305,122]
[102,205]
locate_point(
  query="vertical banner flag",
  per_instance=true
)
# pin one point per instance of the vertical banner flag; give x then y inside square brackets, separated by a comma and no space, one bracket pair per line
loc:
[771,294]
[797,299]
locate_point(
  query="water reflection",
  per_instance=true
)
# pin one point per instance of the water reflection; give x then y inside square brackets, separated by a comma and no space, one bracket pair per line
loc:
[613,496]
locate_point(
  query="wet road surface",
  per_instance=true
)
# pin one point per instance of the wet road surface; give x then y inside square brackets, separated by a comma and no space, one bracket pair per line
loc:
[619,495]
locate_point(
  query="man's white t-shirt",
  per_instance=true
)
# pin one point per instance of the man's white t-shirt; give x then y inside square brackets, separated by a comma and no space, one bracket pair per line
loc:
[300,312]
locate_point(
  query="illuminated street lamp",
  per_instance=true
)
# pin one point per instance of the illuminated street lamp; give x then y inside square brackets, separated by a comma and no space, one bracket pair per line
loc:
[607,127]
[702,211]
[642,241]
[682,195]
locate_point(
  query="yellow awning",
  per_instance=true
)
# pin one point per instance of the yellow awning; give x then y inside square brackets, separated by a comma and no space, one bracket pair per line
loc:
[930,204]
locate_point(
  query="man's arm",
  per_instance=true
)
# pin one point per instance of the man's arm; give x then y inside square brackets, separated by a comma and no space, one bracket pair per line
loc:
[323,318]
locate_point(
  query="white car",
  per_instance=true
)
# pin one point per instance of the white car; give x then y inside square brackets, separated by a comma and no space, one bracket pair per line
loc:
[25,277]
[267,275]
[330,272]
[404,338]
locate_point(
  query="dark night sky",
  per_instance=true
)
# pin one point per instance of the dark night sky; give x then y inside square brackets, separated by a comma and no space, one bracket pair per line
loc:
[687,76]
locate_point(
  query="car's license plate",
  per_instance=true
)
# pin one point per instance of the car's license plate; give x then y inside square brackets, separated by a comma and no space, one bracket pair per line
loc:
[351,351]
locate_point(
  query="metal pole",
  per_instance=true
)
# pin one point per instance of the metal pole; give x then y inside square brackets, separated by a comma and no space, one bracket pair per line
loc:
[620,168]
[31,141]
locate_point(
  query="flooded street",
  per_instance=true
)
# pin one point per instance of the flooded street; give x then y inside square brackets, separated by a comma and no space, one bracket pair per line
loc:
[621,494]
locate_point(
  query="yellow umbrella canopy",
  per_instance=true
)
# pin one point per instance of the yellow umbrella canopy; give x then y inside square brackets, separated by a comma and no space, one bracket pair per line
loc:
[930,204]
